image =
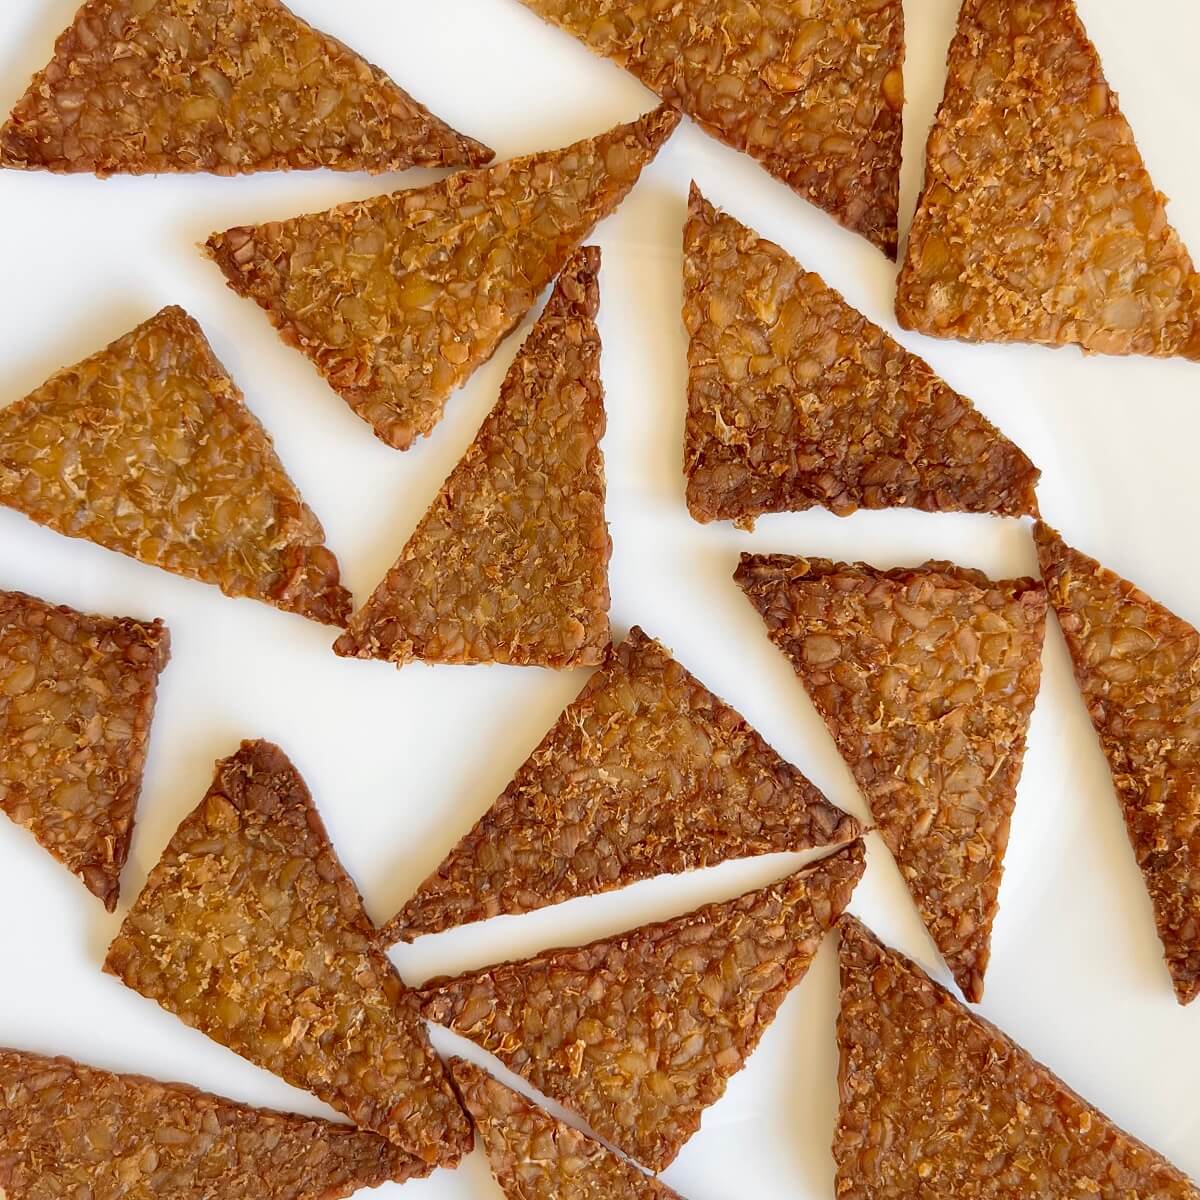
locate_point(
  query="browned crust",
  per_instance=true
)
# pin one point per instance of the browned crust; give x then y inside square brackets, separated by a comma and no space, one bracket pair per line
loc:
[536,1157]
[153,428]
[796,400]
[71,1130]
[937,1102]
[1038,221]
[66,672]
[399,299]
[1138,668]
[223,86]
[813,90]
[645,773]
[638,1034]
[250,930]
[510,563]
[936,750]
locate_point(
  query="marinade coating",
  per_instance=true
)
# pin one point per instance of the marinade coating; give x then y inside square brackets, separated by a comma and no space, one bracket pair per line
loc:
[510,563]
[536,1157]
[926,678]
[250,930]
[227,86]
[148,448]
[937,1102]
[77,698]
[813,89]
[646,773]
[398,299]
[638,1034]
[1038,221]
[1138,667]
[68,1130]
[796,400]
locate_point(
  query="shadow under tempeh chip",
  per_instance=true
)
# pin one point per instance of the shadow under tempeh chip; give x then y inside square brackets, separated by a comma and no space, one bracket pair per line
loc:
[250,930]
[938,1102]
[68,1130]
[77,697]
[226,86]
[926,679]
[639,1033]
[398,299]
[645,773]
[148,448]
[510,563]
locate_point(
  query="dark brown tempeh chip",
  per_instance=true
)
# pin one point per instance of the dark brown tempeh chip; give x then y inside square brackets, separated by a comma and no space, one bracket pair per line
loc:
[1138,667]
[250,930]
[640,1033]
[926,678]
[646,773]
[937,1102]
[77,698]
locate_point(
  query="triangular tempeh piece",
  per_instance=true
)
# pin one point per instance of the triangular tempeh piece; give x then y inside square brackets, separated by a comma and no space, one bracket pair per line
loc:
[228,86]
[926,678]
[1138,667]
[813,89]
[796,400]
[148,448]
[77,697]
[1039,221]
[250,930]
[639,1033]
[534,1156]
[399,299]
[71,1130]
[937,1102]
[646,773]
[510,563]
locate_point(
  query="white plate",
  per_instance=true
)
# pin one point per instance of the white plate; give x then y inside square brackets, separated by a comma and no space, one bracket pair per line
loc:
[402,764]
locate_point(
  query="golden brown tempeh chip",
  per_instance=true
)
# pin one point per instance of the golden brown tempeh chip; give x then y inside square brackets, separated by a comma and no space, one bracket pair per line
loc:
[76,701]
[813,89]
[510,563]
[937,1102]
[796,400]
[1039,221]
[926,678]
[398,299]
[228,86]
[639,1033]
[536,1157]
[68,1130]
[646,773]
[250,930]
[1138,667]
[148,448]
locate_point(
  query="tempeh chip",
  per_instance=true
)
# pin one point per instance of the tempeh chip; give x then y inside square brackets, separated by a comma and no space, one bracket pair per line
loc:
[400,298]
[646,773]
[926,678]
[148,448]
[796,400]
[1138,667]
[227,86]
[510,563]
[68,1130]
[639,1033]
[537,1157]
[1039,221]
[250,930]
[937,1102]
[813,89]
[77,697]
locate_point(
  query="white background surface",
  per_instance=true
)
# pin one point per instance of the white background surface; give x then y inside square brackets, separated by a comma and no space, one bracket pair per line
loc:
[402,764]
